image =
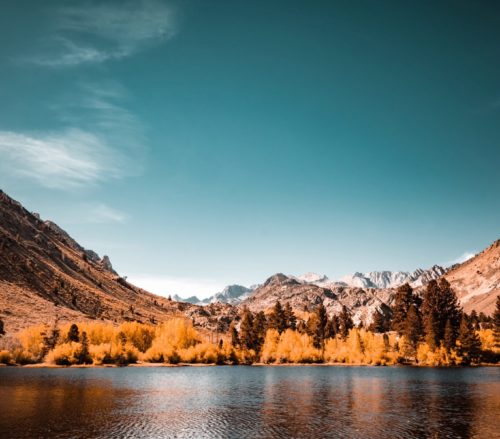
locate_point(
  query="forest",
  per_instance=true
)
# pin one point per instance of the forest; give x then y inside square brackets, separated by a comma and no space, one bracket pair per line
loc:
[429,329]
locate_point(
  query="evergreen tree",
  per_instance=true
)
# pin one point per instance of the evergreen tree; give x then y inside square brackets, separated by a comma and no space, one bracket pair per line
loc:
[496,323]
[412,329]
[345,322]
[235,338]
[469,343]
[277,318]
[402,301]
[83,355]
[316,326]
[379,323]
[474,320]
[247,336]
[73,333]
[430,331]
[449,336]
[290,319]
[259,330]
[440,304]
[331,328]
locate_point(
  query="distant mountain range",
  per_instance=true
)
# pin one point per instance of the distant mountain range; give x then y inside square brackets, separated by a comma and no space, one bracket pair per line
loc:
[235,294]
[45,275]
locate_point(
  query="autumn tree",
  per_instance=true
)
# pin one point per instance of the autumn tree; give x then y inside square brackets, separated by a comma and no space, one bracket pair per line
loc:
[345,322]
[73,333]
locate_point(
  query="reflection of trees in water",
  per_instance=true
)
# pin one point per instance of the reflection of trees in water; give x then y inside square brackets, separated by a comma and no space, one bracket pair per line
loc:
[53,406]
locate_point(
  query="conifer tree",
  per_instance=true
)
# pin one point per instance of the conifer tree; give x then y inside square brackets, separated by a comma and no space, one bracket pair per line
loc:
[440,304]
[291,320]
[83,355]
[247,336]
[449,336]
[469,343]
[73,333]
[259,330]
[331,328]
[412,329]
[345,322]
[277,318]
[379,323]
[430,331]
[403,299]
[235,339]
[496,323]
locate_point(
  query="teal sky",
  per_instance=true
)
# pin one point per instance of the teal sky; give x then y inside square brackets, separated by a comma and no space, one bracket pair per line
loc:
[202,143]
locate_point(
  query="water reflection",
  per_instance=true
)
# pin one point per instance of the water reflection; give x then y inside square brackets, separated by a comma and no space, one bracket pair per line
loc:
[249,402]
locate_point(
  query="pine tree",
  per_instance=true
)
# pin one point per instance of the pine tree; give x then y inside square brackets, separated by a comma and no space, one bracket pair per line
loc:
[430,331]
[379,323]
[73,333]
[345,322]
[247,336]
[259,330]
[84,354]
[474,320]
[440,304]
[235,338]
[331,328]
[277,318]
[496,323]
[469,343]
[449,336]
[402,301]
[290,319]
[412,329]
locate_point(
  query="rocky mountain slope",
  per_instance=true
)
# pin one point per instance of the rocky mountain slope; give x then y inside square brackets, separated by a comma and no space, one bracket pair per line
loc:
[45,274]
[305,297]
[477,281]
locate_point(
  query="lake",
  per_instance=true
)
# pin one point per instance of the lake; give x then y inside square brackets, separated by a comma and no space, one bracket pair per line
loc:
[250,402]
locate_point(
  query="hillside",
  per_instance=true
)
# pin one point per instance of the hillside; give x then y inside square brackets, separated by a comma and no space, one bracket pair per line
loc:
[45,274]
[477,281]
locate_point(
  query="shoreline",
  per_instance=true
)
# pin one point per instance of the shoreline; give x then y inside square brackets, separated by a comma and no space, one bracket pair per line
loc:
[151,365]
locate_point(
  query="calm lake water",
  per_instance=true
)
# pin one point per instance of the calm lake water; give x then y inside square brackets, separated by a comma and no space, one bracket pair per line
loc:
[250,402]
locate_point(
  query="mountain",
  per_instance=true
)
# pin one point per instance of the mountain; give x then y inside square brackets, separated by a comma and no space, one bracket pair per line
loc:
[477,281]
[232,294]
[305,297]
[46,275]
[392,279]
[312,278]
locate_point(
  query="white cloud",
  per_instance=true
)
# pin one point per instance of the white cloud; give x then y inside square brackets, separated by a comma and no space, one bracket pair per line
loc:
[461,259]
[69,158]
[102,213]
[169,285]
[102,141]
[94,33]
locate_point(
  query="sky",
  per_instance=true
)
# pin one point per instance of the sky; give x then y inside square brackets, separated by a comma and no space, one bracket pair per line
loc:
[205,143]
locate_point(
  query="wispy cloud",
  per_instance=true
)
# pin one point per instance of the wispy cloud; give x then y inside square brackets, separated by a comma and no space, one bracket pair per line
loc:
[461,259]
[94,33]
[184,287]
[101,141]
